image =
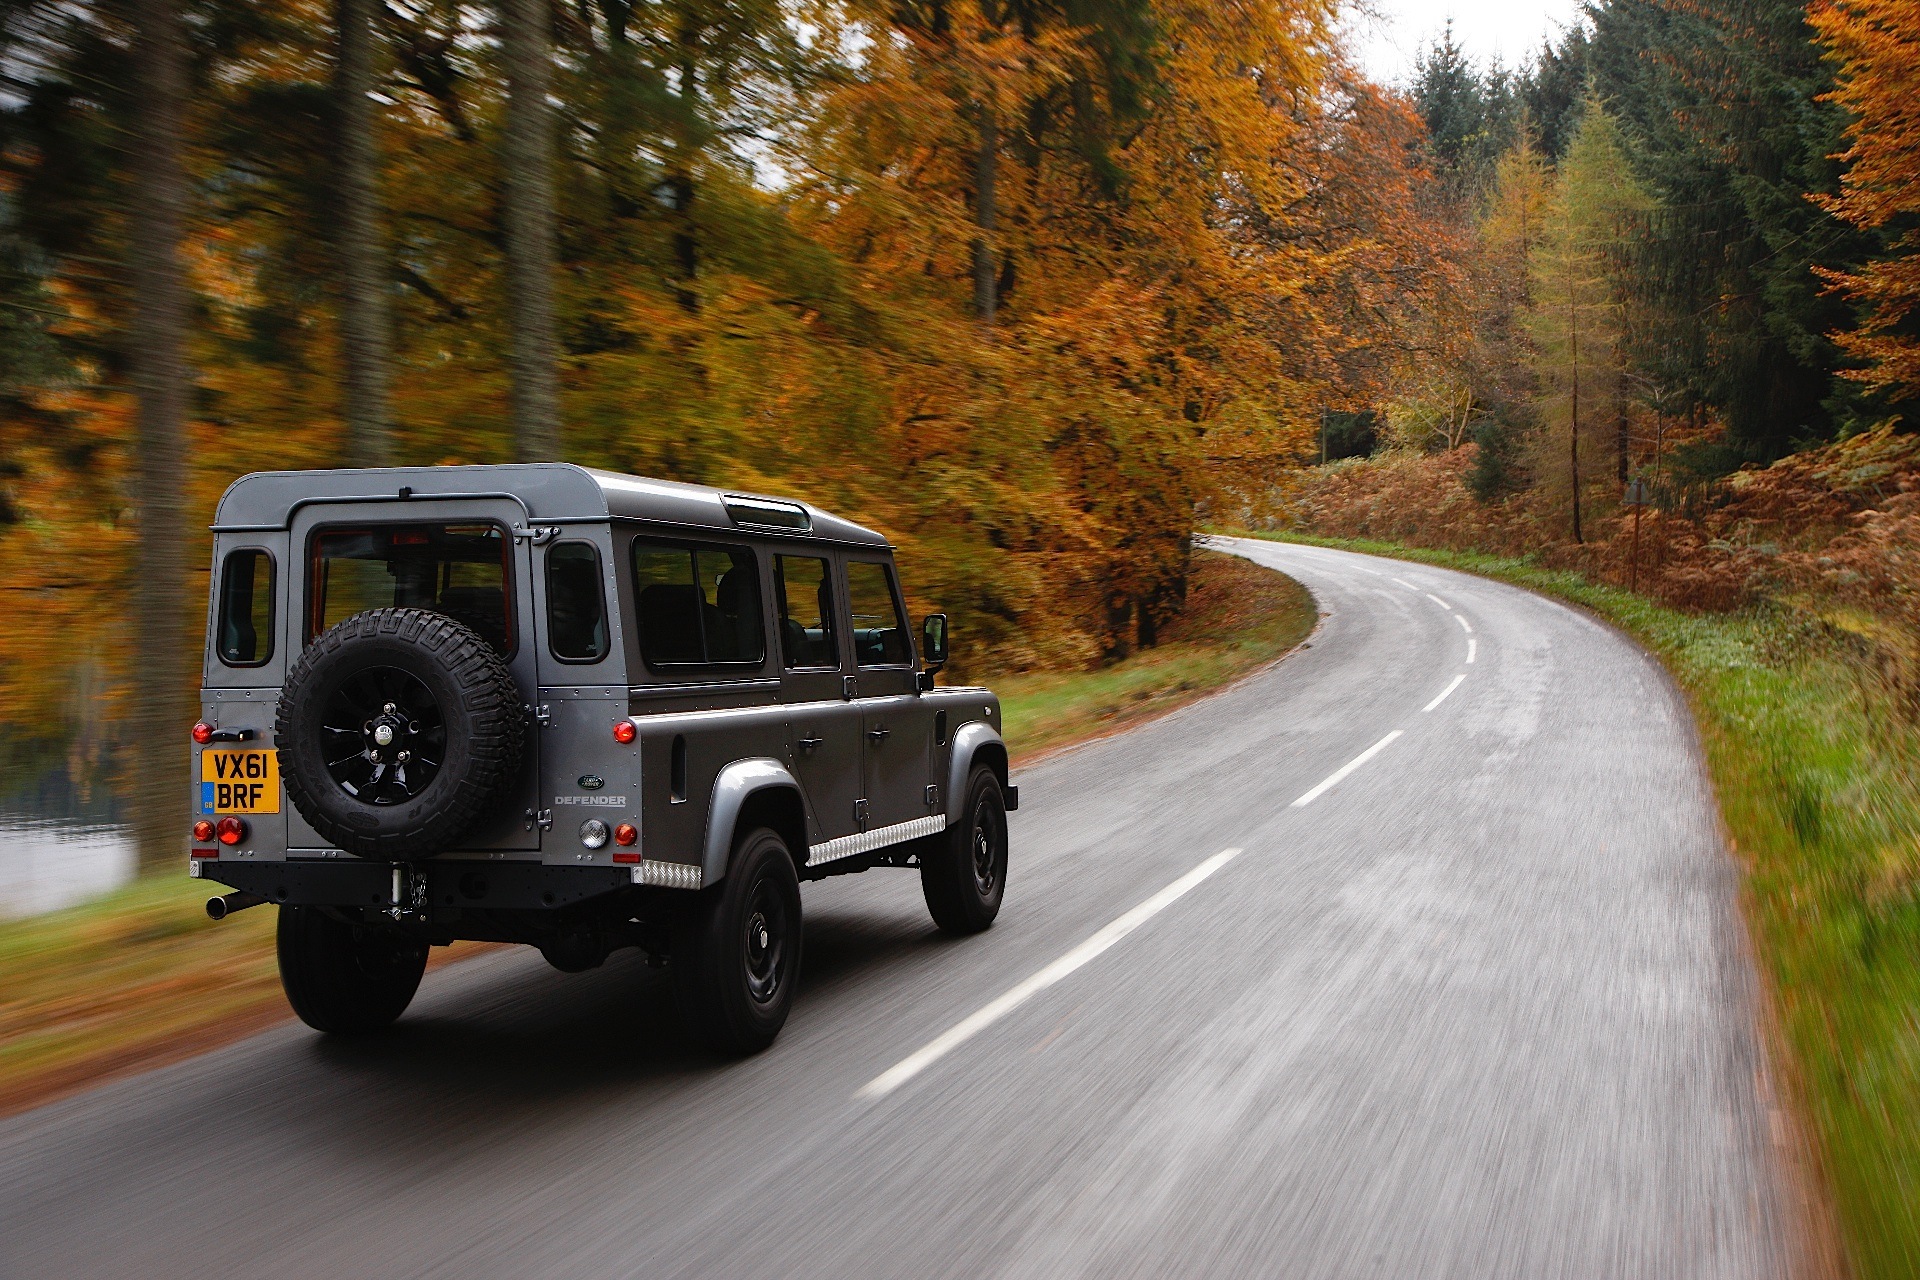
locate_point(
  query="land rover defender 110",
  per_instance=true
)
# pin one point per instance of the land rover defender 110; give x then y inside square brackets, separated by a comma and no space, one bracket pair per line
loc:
[583,711]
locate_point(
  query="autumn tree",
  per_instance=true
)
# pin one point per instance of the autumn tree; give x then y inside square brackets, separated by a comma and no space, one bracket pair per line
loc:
[1577,309]
[1877,46]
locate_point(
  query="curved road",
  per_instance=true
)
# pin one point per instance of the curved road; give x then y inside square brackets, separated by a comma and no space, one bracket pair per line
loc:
[1482,1007]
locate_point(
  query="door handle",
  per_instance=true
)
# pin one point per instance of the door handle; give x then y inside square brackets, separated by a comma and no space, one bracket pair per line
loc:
[810,743]
[877,736]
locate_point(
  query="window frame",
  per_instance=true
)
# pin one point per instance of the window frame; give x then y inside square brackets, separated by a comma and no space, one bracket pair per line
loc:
[835,593]
[220,606]
[899,611]
[606,616]
[316,594]
[736,669]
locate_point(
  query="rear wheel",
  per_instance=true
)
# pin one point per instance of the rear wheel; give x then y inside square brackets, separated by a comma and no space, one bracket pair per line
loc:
[343,978]
[963,871]
[736,954]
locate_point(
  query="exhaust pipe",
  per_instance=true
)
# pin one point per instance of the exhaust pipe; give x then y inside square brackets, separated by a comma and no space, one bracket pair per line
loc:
[221,908]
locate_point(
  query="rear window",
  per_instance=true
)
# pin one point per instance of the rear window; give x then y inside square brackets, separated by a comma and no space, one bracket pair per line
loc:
[699,604]
[246,608]
[456,569]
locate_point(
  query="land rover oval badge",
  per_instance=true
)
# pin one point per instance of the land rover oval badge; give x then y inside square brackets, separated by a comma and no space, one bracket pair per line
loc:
[591,782]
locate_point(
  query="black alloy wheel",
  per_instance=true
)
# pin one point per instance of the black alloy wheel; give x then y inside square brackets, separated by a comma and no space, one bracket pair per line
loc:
[963,870]
[736,949]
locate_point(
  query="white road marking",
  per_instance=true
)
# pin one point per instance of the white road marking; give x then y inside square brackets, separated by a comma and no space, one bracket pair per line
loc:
[1408,585]
[1472,644]
[1468,626]
[1444,692]
[1344,770]
[1375,572]
[1442,603]
[972,1025]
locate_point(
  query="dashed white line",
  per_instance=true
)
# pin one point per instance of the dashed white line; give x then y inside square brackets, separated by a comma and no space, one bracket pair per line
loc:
[994,1010]
[1465,625]
[1408,585]
[1444,692]
[1437,600]
[1472,644]
[1344,770]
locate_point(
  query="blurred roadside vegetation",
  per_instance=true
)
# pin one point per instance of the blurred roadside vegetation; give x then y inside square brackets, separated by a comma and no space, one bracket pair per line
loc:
[1817,771]
[140,977]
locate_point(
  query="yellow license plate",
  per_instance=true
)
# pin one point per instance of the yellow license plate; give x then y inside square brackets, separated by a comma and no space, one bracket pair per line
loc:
[239,782]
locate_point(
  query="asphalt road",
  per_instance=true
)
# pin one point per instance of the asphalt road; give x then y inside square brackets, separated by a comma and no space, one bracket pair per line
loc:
[1483,1007]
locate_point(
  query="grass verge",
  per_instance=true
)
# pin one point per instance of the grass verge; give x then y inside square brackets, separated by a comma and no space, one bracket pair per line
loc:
[1818,780]
[141,977]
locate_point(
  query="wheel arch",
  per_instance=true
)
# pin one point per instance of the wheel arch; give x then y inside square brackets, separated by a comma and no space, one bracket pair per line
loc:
[975,743]
[749,793]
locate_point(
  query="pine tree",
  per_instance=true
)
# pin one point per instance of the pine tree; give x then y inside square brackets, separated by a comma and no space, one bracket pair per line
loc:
[1577,313]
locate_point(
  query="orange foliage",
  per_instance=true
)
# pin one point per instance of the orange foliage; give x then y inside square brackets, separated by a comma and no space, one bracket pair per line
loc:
[1877,44]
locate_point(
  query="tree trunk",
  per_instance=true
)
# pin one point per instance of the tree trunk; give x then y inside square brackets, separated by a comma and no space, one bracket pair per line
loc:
[528,161]
[680,181]
[985,165]
[365,320]
[1573,433]
[162,676]
[1621,443]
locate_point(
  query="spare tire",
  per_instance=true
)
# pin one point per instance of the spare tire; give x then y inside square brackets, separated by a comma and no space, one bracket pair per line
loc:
[398,729]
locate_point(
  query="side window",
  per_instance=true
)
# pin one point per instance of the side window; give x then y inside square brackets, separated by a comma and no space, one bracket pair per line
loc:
[576,603]
[698,604]
[879,631]
[803,587]
[246,608]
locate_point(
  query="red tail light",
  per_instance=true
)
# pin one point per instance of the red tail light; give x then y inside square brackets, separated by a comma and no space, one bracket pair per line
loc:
[203,733]
[203,832]
[624,731]
[231,831]
[626,833]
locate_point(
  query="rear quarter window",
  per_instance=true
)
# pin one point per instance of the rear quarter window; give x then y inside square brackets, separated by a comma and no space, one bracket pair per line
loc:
[699,605]
[243,629]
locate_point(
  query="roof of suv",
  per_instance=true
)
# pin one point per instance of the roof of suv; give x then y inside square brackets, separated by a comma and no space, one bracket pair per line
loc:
[548,492]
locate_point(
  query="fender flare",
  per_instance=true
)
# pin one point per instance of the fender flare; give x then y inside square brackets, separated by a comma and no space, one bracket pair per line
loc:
[969,742]
[738,783]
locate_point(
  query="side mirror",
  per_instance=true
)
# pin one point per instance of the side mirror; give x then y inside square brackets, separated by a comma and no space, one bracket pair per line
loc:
[933,641]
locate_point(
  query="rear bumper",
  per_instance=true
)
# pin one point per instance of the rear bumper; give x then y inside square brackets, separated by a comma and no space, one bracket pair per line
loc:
[511,886]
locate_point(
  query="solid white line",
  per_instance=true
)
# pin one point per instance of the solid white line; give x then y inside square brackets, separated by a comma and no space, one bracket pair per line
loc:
[1444,692]
[1408,585]
[1344,770]
[1442,603]
[972,1025]
[1472,644]
[1464,623]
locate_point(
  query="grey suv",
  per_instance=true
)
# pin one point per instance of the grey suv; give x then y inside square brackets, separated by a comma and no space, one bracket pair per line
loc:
[577,710]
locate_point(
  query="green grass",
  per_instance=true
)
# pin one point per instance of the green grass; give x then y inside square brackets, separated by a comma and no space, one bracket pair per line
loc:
[1819,781]
[141,977]
[1238,617]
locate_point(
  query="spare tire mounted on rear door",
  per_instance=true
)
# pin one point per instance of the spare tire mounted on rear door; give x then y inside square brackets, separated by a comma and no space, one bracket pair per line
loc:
[399,729]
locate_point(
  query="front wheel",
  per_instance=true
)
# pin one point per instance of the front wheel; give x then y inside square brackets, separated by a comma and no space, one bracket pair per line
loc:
[346,979]
[736,953]
[963,871]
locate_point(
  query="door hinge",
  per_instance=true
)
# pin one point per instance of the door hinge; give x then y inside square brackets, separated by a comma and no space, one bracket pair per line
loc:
[849,687]
[542,818]
[933,796]
[544,714]
[860,813]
